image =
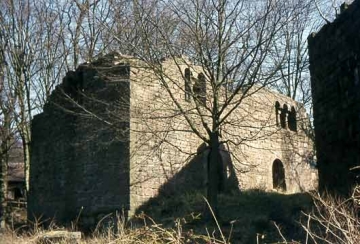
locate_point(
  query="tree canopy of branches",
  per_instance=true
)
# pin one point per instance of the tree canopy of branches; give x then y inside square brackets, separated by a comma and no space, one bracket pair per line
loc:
[242,46]
[232,42]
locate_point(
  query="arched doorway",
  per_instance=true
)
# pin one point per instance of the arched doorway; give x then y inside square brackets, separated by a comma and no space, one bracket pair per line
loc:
[278,173]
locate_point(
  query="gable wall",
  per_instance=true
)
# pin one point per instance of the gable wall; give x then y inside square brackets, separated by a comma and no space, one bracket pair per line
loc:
[80,149]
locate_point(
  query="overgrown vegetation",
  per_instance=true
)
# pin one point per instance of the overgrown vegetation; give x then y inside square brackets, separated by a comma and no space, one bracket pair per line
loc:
[333,220]
[246,217]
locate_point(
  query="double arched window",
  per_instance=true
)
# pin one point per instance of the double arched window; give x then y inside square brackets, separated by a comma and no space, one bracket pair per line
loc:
[285,118]
[199,87]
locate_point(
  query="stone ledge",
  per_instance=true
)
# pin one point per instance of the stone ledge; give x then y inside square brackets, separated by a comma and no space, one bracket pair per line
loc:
[61,236]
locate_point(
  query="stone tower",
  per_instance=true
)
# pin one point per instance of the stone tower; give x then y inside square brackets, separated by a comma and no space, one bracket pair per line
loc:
[335,79]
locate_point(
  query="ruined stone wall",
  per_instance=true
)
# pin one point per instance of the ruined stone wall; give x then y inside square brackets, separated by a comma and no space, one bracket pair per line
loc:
[126,140]
[261,140]
[335,73]
[80,148]
[163,144]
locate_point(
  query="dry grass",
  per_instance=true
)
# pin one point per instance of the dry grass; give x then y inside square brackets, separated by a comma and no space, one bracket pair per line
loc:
[146,235]
[119,233]
[246,217]
[333,220]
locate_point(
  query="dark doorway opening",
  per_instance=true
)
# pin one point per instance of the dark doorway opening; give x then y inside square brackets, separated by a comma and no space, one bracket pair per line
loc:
[278,173]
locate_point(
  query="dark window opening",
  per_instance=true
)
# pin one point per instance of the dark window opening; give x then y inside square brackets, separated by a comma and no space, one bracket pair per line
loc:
[292,119]
[278,173]
[200,89]
[17,193]
[187,85]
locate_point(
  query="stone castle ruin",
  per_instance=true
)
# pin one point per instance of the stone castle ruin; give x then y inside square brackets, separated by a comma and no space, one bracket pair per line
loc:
[110,138]
[335,78]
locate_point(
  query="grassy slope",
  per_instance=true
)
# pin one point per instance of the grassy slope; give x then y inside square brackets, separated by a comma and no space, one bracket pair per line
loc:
[246,215]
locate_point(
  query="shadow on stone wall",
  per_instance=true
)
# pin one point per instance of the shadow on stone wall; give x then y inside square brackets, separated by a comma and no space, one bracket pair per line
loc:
[80,148]
[192,178]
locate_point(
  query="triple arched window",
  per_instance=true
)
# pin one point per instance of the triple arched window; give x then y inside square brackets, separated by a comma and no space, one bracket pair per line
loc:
[285,118]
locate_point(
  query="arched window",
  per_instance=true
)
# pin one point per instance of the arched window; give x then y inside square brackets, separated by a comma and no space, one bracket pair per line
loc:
[200,89]
[292,119]
[187,76]
[278,173]
[283,116]
[277,113]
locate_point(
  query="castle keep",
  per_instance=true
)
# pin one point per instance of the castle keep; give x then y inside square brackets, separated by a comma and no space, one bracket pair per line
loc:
[110,138]
[335,78]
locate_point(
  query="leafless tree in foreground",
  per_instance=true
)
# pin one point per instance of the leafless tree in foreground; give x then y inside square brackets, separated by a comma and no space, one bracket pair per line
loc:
[6,134]
[333,220]
[231,41]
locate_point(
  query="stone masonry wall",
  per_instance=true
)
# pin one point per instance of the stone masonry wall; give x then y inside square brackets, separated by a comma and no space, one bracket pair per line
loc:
[135,144]
[335,76]
[80,147]
[162,143]
[160,139]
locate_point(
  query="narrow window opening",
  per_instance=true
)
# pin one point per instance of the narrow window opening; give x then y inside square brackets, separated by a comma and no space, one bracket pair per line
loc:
[187,84]
[292,119]
[200,89]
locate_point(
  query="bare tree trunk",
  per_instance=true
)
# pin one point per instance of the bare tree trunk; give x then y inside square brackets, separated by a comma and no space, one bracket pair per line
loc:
[26,149]
[22,88]
[4,156]
[4,131]
[214,174]
[3,189]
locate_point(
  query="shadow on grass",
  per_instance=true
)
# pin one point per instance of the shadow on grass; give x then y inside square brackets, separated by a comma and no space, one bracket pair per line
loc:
[245,216]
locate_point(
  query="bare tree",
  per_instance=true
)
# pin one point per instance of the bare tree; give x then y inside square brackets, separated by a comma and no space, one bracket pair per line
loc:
[83,35]
[33,61]
[6,133]
[18,55]
[231,41]
[50,54]
[293,78]
[41,41]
